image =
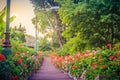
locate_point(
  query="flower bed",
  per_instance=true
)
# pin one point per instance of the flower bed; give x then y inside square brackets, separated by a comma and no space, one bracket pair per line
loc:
[105,64]
[21,64]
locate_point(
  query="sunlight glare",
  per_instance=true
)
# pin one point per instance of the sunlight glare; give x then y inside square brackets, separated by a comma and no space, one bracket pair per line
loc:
[14,14]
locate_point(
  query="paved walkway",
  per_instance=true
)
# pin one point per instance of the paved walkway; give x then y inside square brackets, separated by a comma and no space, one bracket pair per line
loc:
[48,72]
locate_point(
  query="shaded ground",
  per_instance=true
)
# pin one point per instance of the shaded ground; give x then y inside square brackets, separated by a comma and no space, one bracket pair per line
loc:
[49,72]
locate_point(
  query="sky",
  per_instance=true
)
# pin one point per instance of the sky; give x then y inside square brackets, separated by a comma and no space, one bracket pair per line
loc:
[23,10]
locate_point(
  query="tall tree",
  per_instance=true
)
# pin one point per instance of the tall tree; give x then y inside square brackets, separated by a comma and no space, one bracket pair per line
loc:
[96,22]
[52,20]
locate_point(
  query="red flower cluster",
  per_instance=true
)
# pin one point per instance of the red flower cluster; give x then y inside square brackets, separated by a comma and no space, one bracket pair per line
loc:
[111,57]
[15,78]
[67,62]
[19,61]
[109,46]
[74,67]
[94,65]
[117,47]
[103,66]
[25,66]
[72,59]
[18,52]
[2,57]
[87,53]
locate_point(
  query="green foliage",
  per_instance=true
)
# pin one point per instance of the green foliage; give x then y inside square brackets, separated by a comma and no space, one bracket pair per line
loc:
[63,52]
[10,67]
[91,64]
[45,20]
[17,45]
[2,23]
[18,33]
[87,24]
[44,45]
[95,21]
[42,14]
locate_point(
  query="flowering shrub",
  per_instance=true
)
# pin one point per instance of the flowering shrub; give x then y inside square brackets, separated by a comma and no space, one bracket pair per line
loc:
[20,64]
[104,64]
[19,67]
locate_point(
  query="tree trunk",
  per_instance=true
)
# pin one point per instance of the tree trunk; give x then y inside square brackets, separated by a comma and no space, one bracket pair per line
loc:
[58,30]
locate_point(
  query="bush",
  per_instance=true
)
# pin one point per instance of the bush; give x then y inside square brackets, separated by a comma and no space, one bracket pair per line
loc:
[21,64]
[103,63]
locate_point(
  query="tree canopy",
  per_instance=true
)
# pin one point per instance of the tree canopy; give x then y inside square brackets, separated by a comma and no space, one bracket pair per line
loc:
[87,24]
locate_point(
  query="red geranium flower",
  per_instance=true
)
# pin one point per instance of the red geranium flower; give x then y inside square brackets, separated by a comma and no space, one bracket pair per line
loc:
[109,45]
[72,59]
[19,61]
[2,57]
[117,47]
[94,65]
[15,77]
[18,52]
[111,57]
[67,62]
[87,53]
[74,67]
[103,66]
[25,66]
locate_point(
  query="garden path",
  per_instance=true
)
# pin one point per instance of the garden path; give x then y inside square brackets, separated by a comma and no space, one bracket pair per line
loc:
[48,72]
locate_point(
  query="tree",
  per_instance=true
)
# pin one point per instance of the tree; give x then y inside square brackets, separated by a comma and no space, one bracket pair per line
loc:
[87,24]
[44,45]
[49,19]
[96,21]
